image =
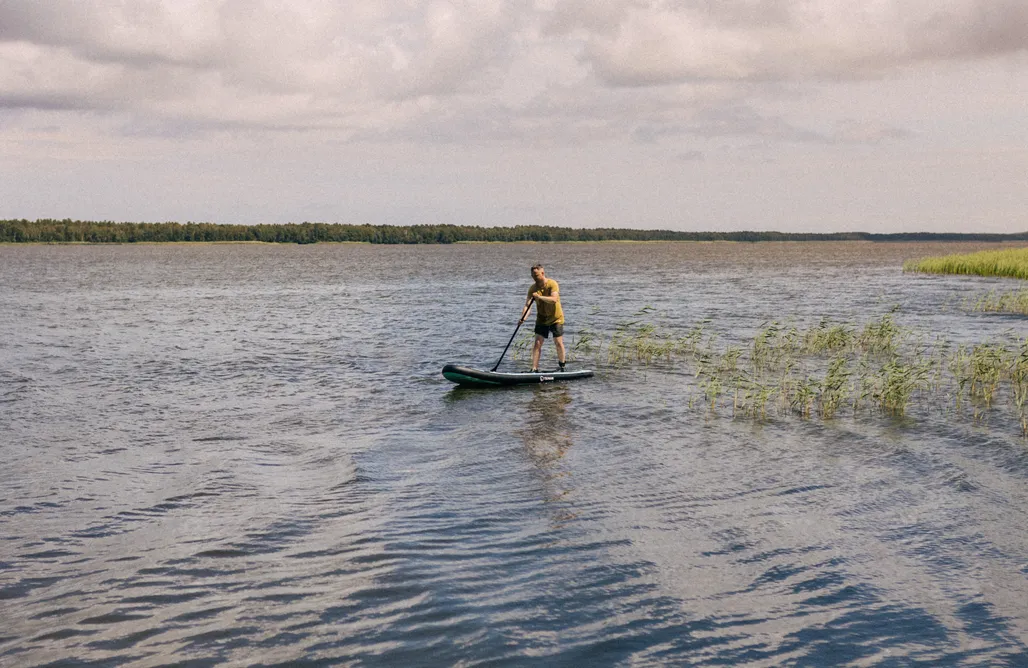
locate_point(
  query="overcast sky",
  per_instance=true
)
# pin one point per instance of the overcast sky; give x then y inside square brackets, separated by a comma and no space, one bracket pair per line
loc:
[792,115]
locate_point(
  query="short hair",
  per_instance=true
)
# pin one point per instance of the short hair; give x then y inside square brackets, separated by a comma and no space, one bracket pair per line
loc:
[537,266]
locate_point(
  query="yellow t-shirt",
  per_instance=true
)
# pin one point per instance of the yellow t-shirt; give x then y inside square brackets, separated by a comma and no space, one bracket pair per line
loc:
[545,312]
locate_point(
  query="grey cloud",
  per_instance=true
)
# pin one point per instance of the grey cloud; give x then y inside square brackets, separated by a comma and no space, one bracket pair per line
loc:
[977,30]
[437,71]
[185,128]
[745,13]
[738,120]
[42,102]
[674,42]
[449,49]
[347,54]
[135,33]
[593,16]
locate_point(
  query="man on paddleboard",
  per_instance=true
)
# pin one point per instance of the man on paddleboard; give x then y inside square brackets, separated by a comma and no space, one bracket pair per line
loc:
[549,318]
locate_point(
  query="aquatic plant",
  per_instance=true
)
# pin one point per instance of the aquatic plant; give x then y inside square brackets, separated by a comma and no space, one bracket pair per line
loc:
[773,346]
[827,337]
[1019,382]
[1010,263]
[800,394]
[583,342]
[522,345]
[1014,301]
[879,336]
[986,364]
[710,382]
[896,383]
[691,341]
[729,361]
[824,370]
[751,398]
[834,388]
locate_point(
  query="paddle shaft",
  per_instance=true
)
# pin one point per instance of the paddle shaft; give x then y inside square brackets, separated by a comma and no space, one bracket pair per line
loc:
[524,314]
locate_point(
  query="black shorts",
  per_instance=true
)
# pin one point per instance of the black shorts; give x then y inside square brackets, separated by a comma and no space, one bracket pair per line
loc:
[544,330]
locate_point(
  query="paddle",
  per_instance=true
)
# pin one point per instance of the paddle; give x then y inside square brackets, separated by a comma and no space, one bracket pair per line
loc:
[520,320]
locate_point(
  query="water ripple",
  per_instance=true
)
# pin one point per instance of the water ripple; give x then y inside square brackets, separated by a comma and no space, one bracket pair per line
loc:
[245,455]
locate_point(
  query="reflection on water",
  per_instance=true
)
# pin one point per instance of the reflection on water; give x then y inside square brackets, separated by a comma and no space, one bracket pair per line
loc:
[546,433]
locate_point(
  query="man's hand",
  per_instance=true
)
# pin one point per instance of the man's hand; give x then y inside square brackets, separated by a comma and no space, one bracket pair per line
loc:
[528,307]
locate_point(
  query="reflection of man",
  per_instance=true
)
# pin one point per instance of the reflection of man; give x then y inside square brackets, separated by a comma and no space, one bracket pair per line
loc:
[546,433]
[549,318]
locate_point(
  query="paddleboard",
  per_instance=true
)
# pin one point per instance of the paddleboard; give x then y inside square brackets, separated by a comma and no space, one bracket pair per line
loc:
[464,375]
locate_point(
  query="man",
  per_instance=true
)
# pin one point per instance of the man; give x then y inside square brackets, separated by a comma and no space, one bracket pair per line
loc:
[549,318]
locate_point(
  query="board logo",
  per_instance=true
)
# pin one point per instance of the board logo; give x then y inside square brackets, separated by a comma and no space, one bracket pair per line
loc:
[543,379]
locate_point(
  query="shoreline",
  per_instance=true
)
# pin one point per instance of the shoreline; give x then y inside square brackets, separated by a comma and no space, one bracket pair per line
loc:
[1021,243]
[107,232]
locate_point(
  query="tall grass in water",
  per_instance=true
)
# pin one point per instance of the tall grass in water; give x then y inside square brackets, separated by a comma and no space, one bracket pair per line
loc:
[774,347]
[828,338]
[826,370]
[880,336]
[1019,380]
[1015,301]
[1012,263]
[895,382]
[834,388]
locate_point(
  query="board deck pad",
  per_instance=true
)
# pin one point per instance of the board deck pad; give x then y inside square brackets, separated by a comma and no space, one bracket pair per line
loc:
[465,375]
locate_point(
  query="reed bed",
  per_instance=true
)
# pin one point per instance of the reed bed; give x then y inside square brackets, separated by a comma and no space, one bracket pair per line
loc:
[824,371]
[1012,301]
[1012,263]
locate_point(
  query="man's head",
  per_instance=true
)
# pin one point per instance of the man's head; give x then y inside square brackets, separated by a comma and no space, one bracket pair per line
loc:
[537,273]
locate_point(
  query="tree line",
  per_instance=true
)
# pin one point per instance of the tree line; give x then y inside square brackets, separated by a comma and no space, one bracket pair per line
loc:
[84,231]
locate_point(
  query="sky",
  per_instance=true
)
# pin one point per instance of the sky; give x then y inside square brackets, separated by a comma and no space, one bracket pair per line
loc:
[701,115]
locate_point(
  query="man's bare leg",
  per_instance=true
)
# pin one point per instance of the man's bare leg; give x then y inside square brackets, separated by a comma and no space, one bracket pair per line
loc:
[537,350]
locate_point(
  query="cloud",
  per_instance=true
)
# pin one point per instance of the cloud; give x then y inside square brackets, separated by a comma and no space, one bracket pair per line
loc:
[663,42]
[451,47]
[486,69]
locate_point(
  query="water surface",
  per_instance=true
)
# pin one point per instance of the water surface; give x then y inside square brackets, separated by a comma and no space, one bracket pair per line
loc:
[246,454]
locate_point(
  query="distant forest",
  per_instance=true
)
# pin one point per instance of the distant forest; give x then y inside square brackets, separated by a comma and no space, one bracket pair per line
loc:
[82,231]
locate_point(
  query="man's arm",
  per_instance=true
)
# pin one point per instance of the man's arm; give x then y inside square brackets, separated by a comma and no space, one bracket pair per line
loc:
[552,299]
[528,303]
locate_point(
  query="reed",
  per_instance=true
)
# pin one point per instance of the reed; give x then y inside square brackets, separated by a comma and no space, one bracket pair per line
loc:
[774,347]
[1019,382]
[987,364]
[759,398]
[750,398]
[709,378]
[1011,263]
[582,343]
[1015,301]
[834,388]
[880,336]
[820,371]
[827,337]
[895,383]
[800,394]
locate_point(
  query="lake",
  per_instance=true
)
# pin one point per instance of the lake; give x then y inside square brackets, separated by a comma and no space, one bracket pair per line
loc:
[246,455]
